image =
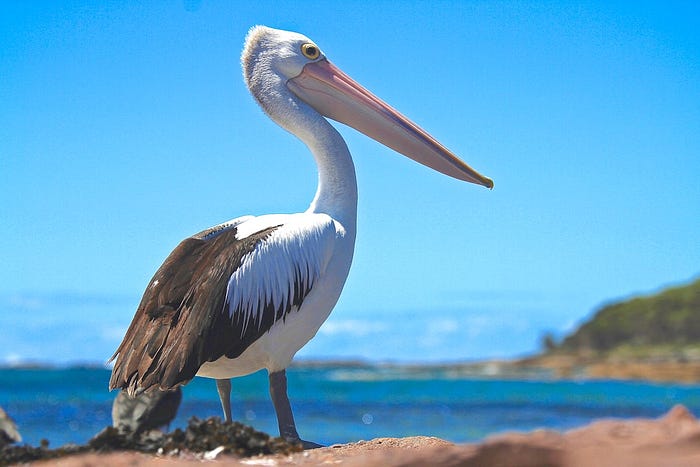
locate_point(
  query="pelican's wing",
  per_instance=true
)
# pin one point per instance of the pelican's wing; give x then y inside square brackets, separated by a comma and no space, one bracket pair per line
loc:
[217,293]
[212,232]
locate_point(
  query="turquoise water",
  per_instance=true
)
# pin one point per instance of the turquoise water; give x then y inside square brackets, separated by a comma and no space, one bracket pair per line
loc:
[342,404]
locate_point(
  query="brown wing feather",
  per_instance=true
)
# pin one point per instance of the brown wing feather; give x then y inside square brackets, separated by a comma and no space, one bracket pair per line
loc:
[174,330]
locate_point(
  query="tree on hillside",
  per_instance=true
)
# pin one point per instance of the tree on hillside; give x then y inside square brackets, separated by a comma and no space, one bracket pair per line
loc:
[669,317]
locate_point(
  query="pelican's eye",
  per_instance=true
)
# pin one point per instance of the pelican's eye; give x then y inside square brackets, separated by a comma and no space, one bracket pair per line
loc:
[310,51]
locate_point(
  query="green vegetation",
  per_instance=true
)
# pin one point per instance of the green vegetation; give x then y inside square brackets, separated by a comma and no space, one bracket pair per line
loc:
[660,324]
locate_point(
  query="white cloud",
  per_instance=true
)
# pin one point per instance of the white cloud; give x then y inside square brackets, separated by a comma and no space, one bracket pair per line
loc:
[12,359]
[27,302]
[113,333]
[443,326]
[353,327]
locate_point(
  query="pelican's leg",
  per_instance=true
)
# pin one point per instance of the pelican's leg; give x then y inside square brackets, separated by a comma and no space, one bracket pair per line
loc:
[285,418]
[223,387]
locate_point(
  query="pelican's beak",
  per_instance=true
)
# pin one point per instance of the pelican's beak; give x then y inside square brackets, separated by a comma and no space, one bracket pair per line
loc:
[335,95]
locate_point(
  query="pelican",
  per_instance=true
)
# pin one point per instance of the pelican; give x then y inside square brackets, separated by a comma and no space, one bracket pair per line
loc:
[247,294]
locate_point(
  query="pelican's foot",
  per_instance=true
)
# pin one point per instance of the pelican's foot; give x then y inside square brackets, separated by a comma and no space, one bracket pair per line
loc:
[305,444]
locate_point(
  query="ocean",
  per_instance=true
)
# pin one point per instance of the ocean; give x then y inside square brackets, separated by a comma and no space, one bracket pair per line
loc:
[344,403]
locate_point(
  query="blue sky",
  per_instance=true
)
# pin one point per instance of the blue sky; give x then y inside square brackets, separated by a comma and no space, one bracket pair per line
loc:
[125,127]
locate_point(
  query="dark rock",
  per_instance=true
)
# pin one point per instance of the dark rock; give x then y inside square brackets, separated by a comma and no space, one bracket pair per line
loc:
[200,436]
[146,411]
[8,430]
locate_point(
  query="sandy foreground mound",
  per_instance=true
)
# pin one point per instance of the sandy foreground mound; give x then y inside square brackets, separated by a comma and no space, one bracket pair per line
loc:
[672,440]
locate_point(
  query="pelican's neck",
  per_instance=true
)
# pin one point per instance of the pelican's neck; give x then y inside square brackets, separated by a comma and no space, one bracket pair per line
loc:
[336,194]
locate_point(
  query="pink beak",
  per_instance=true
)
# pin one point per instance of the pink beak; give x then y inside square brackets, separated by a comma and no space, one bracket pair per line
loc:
[334,94]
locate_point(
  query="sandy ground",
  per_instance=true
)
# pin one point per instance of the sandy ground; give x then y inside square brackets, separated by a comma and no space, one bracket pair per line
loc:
[672,440]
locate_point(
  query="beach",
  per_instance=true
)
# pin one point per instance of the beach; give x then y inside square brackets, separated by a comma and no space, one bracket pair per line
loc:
[670,440]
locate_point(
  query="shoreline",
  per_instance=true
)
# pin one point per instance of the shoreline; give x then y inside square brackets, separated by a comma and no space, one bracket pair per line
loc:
[657,370]
[536,367]
[547,367]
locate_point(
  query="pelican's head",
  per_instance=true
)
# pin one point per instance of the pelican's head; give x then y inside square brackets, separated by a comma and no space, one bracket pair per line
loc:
[273,51]
[277,62]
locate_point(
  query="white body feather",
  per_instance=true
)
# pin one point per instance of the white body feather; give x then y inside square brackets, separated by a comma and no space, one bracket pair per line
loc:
[315,244]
